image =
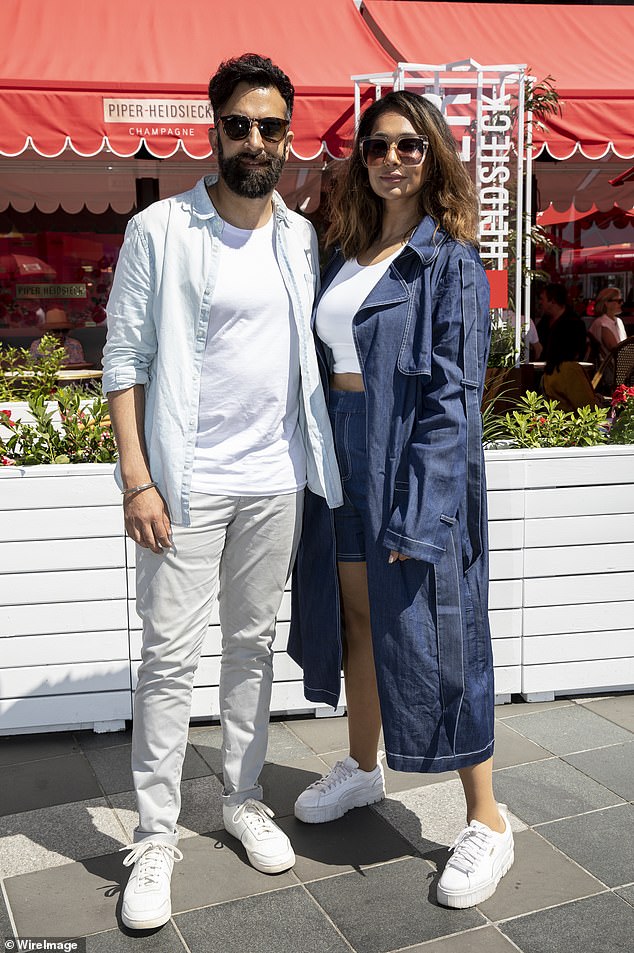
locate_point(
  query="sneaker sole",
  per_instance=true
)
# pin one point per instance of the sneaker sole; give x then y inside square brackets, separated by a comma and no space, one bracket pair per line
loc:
[148,924]
[332,812]
[278,867]
[460,901]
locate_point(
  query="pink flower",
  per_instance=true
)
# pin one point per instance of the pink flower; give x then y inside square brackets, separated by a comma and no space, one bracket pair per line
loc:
[6,462]
[7,418]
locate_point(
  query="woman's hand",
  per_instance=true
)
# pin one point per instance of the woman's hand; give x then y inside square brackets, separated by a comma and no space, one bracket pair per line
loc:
[397,557]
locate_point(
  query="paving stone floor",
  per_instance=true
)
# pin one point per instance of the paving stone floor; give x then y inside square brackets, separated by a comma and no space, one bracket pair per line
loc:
[365,883]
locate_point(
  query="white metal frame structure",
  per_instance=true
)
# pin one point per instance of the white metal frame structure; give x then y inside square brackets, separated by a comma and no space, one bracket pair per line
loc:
[493,90]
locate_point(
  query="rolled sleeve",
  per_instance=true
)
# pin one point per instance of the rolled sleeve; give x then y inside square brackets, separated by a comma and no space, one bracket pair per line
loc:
[131,342]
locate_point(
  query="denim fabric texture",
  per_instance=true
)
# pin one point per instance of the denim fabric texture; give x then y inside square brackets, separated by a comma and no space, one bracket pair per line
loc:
[422,336]
[347,418]
[158,315]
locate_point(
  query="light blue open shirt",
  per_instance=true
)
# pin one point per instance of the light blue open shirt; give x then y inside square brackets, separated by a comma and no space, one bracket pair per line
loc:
[158,314]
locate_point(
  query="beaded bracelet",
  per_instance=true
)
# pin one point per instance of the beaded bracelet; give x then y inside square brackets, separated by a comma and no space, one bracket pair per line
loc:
[137,489]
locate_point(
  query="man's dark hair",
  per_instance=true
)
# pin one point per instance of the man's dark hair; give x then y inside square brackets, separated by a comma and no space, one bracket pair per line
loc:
[557,293]
[253,69]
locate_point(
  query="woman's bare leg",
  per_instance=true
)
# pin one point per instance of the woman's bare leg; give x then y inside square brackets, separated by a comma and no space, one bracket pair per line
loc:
[362,698]
[477,782]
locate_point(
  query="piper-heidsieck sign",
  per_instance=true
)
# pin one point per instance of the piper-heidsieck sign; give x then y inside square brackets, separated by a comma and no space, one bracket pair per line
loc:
[158,117]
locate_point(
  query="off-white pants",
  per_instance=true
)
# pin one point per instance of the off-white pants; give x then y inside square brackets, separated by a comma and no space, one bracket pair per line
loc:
[242,550]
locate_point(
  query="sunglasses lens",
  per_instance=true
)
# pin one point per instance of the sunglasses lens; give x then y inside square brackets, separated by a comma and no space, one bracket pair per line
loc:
[236,127]
[272,129]
[411,151]
[373,151]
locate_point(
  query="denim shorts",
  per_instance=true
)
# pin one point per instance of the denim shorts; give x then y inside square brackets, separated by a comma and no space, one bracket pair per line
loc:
[347,417]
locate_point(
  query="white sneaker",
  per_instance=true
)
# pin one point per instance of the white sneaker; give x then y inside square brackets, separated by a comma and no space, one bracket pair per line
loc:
[480,859]
[346,786]
[146,900]
[268,848]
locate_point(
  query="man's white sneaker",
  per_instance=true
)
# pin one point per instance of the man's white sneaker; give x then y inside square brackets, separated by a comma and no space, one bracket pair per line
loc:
[335,794]
[479,860]
[268,848]
[146,900]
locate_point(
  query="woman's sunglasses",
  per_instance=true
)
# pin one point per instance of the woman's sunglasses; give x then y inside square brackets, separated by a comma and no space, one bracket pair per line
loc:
[411,150]
[271,129]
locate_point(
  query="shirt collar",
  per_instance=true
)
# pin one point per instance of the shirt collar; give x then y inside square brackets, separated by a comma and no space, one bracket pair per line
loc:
[203,207]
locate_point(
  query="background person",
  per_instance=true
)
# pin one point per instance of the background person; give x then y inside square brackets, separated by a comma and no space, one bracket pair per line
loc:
[403,329]
[608,328]
[72,347]
[564,379]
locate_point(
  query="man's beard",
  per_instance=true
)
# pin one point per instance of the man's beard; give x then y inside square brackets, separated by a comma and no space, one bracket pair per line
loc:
[250,182]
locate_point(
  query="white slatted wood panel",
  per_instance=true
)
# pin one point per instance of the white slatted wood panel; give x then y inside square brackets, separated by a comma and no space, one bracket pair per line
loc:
[65,679]
[70,647]
[575,500]
[506,623]
[578,530]
[60,617]
[508,681]
[572,590]
[506,534]
[589,466]
[506,504]
[507,652]
[507,564]
[577,618]
[582,646]
[40,587]
[64,710]
[572,676]
[572,560]
[61,554]
[50,487]
[65,523]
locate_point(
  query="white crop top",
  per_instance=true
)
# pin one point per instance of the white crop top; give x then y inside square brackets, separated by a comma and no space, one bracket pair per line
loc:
[338,306]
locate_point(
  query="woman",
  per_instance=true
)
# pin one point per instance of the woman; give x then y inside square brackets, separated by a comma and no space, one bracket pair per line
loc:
[608,328]
[403,335]
[564,379]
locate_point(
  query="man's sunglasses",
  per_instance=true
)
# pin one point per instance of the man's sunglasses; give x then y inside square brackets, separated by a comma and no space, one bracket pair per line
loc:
[271,129]
[411,150]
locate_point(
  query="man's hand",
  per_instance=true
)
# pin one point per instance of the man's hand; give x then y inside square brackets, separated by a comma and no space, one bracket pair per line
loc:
[147,521]
[396,557]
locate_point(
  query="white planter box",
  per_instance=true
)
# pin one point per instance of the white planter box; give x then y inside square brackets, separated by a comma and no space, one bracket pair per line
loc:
[64,659]
[561,528]
[578,566]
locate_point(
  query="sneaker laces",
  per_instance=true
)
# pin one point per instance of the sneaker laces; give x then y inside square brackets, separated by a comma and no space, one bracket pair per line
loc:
[338,775]
[469,846]
[258,816]
[151,856]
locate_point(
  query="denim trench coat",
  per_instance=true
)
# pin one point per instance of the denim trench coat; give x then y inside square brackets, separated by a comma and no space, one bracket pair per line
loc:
[422,336]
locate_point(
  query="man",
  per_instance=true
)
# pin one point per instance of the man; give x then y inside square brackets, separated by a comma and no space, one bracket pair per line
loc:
[220,421]
[553,305]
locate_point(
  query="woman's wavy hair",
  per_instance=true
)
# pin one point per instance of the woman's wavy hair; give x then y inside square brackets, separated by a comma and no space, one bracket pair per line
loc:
[448,194]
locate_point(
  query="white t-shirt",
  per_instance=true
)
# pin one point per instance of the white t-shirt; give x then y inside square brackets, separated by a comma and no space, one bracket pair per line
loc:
[249,442]
[615,327]
[340,302]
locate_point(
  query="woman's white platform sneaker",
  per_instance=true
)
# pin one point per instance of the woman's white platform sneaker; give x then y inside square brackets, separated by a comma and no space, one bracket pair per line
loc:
[345,787]
[480,858]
